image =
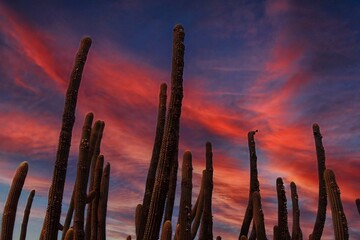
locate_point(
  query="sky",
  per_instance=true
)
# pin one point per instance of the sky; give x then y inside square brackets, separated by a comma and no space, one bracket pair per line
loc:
[272,66]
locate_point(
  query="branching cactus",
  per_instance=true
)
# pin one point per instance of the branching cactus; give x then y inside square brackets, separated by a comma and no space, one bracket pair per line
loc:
[322,202]
[296,230]
[170,141]
[102,208]
[282,227]
[9,214]
[166,231]
[254,184]
[53,212]
[185,198]
[337,211]
[26,215]
[154,159]
[258,217]
[199,209]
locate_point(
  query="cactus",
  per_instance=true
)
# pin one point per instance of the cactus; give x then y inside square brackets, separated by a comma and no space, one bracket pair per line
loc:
[68,217]
[283,230]
[322,202]
[170,197]
[9,214]
[170,141]
[53,212]
[276,232]
[26,215]
[154,159]
[69,234]
[138,215]
[185,199]
[296,230]
[104,191]
[199,209]
[206,227]
[258,216]
[254,184]
[357,202]
[166,231]
[337,211]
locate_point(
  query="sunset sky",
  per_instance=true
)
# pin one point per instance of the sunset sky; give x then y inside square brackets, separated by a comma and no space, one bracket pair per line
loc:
[272,66]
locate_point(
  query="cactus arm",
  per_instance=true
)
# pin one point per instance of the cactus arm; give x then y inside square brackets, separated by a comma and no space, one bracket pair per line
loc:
[337,211]
[26,215]
[166,231]
[102,208]
[283,230]
[258,217]
[296,230]
[138,215]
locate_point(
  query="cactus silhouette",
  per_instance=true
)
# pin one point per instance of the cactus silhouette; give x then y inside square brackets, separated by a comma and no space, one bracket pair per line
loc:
[254,184]
[258,216]
[337,211]
[53,212]
[282,226]
[102,208]
[322,201]
[9,214]
[357,202]
[166,231]
[170,141]
[26,215]
[138,216]
[199,209]
[170,197]
[296,230]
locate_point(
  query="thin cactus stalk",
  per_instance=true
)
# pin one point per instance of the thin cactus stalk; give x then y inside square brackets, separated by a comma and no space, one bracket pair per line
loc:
[170,197]
[138,215]
[69,216]
[90,212]
[82,176]
[206,227]
[170,140]
[95,202]
[185,198]
[199,209]
[296,230]
[283,230]
[338,215]
[254,184]
[9,214]
[166,232]
[26,215]
[154,159]
[258,217]
[322,201]
[102,208]
[357,202]
[53,212]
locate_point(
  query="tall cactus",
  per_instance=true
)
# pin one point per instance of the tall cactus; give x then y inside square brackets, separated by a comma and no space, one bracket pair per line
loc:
[283,230]
[9,214]
[258,217]
[185,198]
[102,208]
[322,201]
[296,230]
[254,184]
[337,211]
[26,215]
[170,140]
[53,212]
[206,227]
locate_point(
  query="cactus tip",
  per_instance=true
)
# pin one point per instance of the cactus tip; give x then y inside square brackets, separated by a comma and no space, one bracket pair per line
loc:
[316,127]
[178,28]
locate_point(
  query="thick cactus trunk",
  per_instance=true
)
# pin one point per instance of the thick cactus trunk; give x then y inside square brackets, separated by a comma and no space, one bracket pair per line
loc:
[296,230]
[102,208]
[337,211]
[9,214]
[170,140]
[283,229]
[258,216]
[322,202]
[53,212]
[254,184]
[26,215]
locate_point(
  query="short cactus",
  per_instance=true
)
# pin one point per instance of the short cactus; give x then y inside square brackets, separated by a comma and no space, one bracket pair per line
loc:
[296,230]
[26,215]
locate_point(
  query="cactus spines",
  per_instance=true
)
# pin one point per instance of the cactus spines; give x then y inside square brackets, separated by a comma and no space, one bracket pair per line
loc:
[254,184]
[337,211]
[199,209]
[69,234]
[138,215]
[206,227]
[258,216]
[9,214]
[53,212]
[166,231]
[26,215]
[170,141]
[357,202]
[322,201]
[104,191]
[296,230]
[283,230]
[185,199]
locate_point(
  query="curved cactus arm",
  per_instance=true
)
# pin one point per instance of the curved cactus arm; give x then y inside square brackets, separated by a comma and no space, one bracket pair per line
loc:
[296,230]
[9,214]
[26,215]
[166,231]
[53,212]
[337,211]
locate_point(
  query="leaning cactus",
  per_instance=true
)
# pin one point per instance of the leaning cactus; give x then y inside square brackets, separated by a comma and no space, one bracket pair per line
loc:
[337,211]
[258,216]
[53,212]
[9,214]
[26,215]
[296,230]
[322,202]
[170,140]
[283,230]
